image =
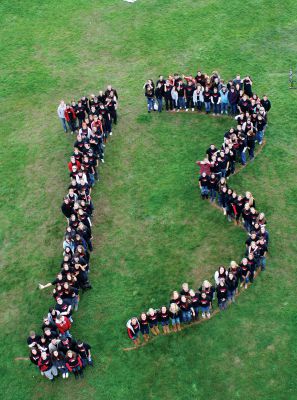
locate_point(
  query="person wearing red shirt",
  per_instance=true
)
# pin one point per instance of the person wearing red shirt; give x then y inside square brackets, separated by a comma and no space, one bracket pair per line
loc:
[73,162]
[74,364]
[70,117]
[63,324]
[46,366]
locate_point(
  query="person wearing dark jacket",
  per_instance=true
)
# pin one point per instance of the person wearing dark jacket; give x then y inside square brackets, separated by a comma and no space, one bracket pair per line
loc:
[144,326]
[233,99]
[232,284]
[46,366]
[74,364]
[149,92]
[159,96]
[84,351]
[67,208]
[59,361]
[222,294]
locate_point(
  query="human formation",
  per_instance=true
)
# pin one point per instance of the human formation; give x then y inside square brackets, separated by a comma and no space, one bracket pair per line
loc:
[55,351]
[202,92]
[188,305]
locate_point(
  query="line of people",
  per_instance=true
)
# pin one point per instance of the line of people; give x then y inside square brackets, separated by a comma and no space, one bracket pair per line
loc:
[209,93]
[188,305]
[55,351]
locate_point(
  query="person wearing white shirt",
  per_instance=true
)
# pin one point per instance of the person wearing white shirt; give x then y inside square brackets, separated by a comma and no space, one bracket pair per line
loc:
[61,114]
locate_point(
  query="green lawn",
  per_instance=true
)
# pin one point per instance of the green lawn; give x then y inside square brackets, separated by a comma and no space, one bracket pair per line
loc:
[151,230]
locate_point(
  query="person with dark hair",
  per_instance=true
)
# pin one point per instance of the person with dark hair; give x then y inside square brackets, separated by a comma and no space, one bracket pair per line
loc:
[84,351]
[70,117]
[133,329]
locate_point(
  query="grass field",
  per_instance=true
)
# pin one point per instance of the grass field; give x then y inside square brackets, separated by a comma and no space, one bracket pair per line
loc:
[151,230]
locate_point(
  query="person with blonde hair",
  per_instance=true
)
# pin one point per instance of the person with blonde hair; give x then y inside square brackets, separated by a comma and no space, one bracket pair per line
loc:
[153,321]
[175,318]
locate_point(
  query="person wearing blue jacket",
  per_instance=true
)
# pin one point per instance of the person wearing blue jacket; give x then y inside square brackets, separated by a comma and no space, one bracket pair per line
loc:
[224,100]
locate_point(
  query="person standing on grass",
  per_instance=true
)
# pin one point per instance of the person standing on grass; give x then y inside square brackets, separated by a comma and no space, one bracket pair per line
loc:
[224,100]
[61,114]
[159,96]
[207,100]
[164,319]
[204,305]
[133,329]
[233,100]
[70,117]
[59,361]
[149,92]
[167,96]
[153,321]
[186,310]
[74,364]
[222,294]
[189,91]
[84,351]
[213,187]
[174,313]
[144,326]
[204,185]
[180,88]
[47,367]
[232,284]
[215,99]
[244,273]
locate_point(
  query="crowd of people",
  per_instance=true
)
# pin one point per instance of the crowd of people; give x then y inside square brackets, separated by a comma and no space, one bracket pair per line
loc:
[188,304]
[209,93]
[55,351]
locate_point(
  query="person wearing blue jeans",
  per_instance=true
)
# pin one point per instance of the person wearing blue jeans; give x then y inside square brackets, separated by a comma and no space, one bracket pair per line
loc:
[262,253]
[174,315]
[185,310]
[222,292]
[216,100]
[213,187]
[244,272]
[232,284]
[224,100]
[207,100]
[159,94]
[181,103]
[150,94]
[204,305]
[61,114]
[204,184]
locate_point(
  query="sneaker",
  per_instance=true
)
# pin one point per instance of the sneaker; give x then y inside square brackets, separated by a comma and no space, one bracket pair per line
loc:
[192,109]
[187,109]
[63,375]
[110,133]
[178,110]
[203,315]
[226,112]
[222,112]
[66,375]
[208,315]
[213,114]
[102,160]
